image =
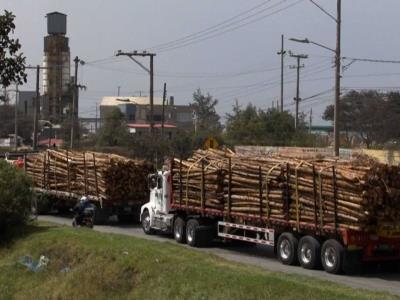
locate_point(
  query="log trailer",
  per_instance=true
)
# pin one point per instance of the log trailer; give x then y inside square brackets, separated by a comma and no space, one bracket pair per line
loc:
[312,246]
[61,178]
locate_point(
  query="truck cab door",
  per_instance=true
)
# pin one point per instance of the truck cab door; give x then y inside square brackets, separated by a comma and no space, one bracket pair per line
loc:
[156,192]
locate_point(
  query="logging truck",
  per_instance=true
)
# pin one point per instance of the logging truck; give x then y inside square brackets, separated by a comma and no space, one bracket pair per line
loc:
[115,184]
[312,246]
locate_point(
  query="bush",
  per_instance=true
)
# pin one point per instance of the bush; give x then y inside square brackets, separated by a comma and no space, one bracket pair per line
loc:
[15,196]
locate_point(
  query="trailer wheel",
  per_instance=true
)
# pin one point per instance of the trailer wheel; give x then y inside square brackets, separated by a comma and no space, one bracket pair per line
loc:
[146,223]
[191,232]
[332,254]
[180,230]
[309,252]
[287,248]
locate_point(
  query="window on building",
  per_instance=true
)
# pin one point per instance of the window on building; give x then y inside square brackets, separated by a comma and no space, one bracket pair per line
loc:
[157,118]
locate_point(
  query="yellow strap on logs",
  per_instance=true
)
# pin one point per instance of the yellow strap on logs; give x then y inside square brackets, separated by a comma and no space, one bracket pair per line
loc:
[297,196]
[321,209]
[187,178]
[267,188]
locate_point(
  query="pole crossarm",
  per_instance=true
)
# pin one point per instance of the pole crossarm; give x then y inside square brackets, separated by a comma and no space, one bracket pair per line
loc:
[139,63]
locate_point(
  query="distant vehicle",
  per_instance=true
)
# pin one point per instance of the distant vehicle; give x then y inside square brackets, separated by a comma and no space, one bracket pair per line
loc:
[87,220]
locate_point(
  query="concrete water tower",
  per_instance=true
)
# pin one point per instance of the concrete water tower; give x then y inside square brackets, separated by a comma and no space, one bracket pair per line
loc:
[57,73]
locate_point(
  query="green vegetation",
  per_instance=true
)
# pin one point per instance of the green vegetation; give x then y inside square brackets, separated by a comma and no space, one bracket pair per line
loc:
[15,196]
[12,63]
[107,266]
[367,118]
[114,132]
[253,126]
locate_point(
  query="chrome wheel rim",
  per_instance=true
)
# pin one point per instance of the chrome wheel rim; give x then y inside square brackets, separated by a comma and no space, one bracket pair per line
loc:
[284,249]
[190,234]
[177,232]
[330,257]
[306,253]
[146,222]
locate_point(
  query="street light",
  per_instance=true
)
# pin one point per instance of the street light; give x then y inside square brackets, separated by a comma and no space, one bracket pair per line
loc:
[337,88]
[337,51]
[307,41]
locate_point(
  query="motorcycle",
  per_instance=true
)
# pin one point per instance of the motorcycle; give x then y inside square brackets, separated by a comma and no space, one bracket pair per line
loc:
[86,220]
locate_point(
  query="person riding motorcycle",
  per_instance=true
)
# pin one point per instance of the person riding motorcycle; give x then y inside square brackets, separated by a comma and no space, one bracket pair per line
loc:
[80,208]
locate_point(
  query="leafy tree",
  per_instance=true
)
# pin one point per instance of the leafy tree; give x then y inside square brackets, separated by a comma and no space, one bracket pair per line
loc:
[114,131]
[252,126]
[12,63]
[368,115]
[207,118]
[15,196]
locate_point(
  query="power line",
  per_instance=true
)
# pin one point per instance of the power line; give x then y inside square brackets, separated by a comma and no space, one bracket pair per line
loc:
[209,28]
[230,29]
[372,60]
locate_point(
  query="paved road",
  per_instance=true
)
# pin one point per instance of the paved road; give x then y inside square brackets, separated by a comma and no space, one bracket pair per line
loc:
[261,256]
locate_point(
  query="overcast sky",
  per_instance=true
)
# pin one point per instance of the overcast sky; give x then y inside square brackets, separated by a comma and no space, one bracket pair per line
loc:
[238,62]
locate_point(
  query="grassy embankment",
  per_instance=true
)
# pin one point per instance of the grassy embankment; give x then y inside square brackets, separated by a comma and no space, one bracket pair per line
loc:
[107,266]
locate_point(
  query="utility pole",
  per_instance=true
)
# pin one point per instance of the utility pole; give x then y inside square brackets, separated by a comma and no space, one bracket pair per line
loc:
[310,120]
[36,105]
[36,109]
[118,90]
[282,54]
[95,124]
[163,109]
[299,57]
[151,73]
[16,118]
[75,100]
[336,128]
[151,94]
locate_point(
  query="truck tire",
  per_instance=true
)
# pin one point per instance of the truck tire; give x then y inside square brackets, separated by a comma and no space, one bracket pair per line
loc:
[146,223]
[309,252]
[180,230]
[192,227]
[332,254]
[287,248]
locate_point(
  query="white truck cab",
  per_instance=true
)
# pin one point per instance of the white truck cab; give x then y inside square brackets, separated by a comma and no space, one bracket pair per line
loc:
[156,215]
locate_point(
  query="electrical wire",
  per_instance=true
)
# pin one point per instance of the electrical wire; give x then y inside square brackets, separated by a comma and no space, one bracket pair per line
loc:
[229,29]
[195,34]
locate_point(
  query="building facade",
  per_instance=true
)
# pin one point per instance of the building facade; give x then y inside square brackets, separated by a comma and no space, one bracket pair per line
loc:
[137,114]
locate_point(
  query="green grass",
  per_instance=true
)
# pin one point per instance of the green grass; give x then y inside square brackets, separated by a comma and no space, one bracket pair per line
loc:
[108,266]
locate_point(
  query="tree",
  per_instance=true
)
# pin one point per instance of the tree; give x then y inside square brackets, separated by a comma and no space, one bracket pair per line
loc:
[207,118]
[12,63]
[243,126]
[114,131]
[368,115]
[15,196]
[252,126]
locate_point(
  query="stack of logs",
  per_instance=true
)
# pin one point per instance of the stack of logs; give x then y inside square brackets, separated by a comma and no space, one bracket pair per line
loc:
[326,193]
[100,176]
